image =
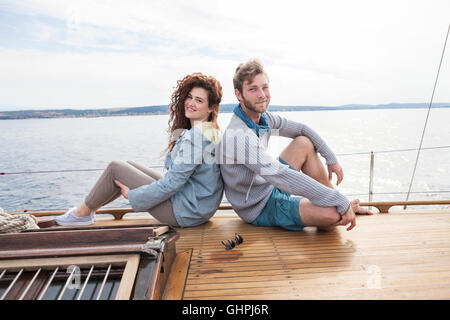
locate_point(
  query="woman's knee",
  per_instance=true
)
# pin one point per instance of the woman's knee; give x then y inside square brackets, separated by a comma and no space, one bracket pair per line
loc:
[115,165]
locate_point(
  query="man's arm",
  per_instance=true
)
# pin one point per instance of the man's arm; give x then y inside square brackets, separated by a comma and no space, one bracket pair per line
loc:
[281,176]
[293,129]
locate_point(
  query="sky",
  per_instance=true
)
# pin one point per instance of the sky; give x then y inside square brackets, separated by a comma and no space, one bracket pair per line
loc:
[106,54]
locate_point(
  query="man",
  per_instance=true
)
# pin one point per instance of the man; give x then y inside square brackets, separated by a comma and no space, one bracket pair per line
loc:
[292,192]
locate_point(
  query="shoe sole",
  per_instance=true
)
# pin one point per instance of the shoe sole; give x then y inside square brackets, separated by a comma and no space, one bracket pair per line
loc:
[81,223]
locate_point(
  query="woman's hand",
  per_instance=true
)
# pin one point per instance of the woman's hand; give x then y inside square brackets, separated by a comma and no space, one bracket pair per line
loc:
[123,189]
[337,169]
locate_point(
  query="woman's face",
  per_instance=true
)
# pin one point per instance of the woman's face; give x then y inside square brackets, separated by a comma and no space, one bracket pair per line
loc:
[196,105]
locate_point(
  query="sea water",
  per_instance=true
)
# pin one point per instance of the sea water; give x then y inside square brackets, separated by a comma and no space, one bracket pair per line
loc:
[30,148]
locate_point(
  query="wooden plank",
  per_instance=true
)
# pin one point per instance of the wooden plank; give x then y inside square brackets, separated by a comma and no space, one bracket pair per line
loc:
[384,206]
[178,276]
[422,291]
[65,238]
[49,252]
[168,259]
[118,213]
[86,240]
[128,277]
[49,263]
[160,230]
[153,292]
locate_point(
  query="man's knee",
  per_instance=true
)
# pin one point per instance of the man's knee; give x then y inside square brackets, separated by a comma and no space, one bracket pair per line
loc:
[304,143]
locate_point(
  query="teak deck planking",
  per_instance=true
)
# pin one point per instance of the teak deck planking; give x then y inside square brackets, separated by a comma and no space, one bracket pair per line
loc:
[400,255]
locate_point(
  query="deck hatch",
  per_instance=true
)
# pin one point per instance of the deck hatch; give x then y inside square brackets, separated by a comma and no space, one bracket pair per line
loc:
[89,263]
[66,280]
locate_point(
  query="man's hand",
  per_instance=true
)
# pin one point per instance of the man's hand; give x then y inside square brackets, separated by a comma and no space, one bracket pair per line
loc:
[123,189]
[337,169]
[350,215]
[346,218]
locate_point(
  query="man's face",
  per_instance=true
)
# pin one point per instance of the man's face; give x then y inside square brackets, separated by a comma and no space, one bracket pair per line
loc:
[255,95]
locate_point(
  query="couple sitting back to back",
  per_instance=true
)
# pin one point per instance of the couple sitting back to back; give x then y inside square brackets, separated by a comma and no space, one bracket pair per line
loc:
[291,192]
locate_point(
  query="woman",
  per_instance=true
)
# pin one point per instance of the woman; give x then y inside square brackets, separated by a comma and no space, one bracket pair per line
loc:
[191,190]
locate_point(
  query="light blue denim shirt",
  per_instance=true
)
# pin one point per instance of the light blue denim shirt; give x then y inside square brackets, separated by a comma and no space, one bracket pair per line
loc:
[193,181]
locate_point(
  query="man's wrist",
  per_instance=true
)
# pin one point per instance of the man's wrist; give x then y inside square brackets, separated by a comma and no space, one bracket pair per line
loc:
[345,212]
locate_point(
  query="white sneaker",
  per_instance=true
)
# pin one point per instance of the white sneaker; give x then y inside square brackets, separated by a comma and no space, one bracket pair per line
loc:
[70,219]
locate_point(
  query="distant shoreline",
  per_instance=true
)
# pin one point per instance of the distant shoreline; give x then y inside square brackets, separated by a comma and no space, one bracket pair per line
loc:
[162,109]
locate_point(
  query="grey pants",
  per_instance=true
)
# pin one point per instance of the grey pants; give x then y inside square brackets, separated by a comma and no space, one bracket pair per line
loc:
[132,175]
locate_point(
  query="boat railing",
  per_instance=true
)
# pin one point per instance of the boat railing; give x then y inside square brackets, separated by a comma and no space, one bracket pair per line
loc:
[382,206]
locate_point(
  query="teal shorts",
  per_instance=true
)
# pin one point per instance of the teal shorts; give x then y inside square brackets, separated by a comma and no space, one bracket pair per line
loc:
[281,210]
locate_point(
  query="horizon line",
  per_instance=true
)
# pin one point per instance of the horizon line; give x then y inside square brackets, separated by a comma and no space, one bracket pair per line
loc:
[441,104]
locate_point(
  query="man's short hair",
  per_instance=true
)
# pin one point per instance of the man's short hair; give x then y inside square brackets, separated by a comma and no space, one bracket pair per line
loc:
[247,72]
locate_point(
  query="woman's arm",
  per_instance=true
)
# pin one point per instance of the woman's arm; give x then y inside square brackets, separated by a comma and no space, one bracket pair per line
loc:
[145,197]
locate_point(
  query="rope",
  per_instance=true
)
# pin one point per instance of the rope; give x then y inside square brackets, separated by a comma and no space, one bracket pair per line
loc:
[48,171]
[391,151]
[428,114]
[68,170]
[16,223]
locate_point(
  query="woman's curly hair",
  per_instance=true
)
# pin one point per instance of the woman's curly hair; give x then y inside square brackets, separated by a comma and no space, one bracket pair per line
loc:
[177,119]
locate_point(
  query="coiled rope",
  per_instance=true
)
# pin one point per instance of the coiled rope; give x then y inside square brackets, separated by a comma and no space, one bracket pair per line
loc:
[16,223]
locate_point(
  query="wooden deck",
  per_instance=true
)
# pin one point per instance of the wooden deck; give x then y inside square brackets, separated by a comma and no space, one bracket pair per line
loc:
[400,255]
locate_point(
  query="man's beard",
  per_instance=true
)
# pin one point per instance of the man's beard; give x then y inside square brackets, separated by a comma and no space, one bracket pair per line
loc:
[261,108]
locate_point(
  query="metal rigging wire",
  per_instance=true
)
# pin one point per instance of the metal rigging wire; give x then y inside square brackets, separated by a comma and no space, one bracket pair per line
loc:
[426,120]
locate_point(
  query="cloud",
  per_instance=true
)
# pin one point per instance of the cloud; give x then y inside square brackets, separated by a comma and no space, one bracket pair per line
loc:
[127,53]
[76,80]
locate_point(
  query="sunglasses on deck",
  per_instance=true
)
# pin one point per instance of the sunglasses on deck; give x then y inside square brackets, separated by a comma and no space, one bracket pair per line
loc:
[230,244]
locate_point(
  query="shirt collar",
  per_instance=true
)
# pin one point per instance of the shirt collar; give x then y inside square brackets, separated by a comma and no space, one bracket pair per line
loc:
[260,128]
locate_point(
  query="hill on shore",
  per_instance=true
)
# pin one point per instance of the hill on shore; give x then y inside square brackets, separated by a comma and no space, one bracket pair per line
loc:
[162,109]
